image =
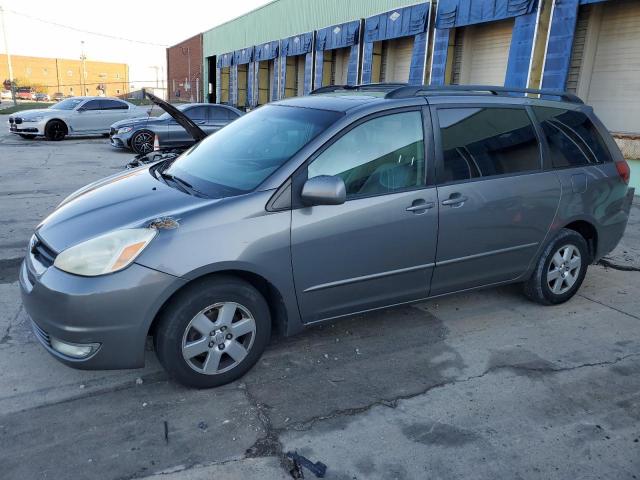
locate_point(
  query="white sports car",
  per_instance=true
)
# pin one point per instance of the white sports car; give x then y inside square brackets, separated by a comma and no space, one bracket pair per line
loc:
[73,116]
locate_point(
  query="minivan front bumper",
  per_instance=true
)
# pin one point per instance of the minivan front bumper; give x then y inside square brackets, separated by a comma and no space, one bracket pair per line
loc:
[111,313]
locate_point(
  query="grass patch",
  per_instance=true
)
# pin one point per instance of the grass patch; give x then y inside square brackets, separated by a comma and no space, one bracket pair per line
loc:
[23,106]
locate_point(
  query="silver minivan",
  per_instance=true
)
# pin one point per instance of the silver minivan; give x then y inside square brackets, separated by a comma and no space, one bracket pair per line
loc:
[314,208]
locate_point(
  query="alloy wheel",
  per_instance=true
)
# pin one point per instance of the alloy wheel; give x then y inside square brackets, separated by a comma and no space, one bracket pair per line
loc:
[143,142]
[218,338]
[564,269]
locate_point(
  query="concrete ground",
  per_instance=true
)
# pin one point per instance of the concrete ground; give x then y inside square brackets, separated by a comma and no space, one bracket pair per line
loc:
[478,385]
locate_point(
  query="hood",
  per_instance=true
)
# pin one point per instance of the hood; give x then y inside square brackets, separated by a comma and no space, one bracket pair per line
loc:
[33,113]
[130,199]
[189,125]
[136,121]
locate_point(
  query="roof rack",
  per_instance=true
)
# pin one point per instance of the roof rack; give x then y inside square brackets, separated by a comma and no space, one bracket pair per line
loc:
[379,87]
[409,91]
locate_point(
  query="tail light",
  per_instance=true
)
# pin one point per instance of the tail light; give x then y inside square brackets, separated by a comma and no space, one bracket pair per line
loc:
[624,171]
[156,143]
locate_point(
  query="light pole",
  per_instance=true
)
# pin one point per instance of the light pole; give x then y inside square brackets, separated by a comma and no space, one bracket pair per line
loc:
[6,48]
[188,54]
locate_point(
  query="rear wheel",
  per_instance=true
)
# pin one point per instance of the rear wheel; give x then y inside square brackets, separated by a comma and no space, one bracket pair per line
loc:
[142,142]
[560,269]
[213,332]
[55,130]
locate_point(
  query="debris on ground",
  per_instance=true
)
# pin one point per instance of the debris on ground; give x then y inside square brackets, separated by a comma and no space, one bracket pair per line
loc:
[319,469]
[203,426]
[139,381]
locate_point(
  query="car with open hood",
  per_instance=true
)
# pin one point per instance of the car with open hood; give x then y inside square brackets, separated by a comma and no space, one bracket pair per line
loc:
[315,208]
[73,116]
[139,134]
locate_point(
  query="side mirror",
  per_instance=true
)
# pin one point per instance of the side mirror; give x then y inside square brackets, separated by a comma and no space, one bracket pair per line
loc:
[80,109]
[324,190]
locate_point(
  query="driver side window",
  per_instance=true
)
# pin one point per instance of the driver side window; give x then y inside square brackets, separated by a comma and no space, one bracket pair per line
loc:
[382,155]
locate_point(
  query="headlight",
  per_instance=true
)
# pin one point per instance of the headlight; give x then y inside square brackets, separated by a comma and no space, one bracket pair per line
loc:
[33,119]
[105,254]
[124,130]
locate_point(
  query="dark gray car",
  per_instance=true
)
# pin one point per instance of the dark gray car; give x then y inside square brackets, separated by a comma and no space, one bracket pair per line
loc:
[138,134]
[314,208]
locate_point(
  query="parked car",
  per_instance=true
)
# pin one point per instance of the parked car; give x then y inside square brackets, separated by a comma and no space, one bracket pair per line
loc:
[6,95]
[58,96]
[25,93]
[139,134]
[73,116]
[42,97]
[314,208]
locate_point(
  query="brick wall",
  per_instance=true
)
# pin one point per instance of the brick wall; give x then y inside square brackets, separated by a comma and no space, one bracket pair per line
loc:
[178,70]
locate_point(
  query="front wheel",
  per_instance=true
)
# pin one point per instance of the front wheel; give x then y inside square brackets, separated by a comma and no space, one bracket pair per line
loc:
[213,332]
[55,130]
[142,142]
[560,270]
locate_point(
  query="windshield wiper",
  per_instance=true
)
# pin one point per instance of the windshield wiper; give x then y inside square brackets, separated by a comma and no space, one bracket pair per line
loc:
[183,184]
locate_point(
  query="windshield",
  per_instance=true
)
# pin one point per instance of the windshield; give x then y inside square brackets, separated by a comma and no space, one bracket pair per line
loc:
[68,104]
[243,154]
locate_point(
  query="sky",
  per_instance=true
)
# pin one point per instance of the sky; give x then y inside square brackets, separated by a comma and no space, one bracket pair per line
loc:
[160,23]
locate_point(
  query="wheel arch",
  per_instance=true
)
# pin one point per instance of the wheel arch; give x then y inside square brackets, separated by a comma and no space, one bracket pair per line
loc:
[272,295]
[66,126]
[588,231]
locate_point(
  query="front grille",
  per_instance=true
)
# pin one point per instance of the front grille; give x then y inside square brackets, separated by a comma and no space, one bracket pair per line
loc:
[17,120]
[43,253]
[10,119]
[41,334]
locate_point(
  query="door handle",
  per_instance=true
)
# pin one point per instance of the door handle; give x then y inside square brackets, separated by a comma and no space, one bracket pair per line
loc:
[455,200]
[420,206]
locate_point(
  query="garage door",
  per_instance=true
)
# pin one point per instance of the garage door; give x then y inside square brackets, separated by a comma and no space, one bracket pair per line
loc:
[614,85]
[485,52]
[341,66]
[396,59]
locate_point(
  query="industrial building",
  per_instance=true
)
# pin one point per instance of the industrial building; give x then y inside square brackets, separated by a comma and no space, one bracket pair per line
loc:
[289,47]
[184,70]
[61,75]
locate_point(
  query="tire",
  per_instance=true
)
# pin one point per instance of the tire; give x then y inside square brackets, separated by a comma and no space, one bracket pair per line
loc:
[204,305]
[547,284]
[27,137]
[142,142]
[55,130]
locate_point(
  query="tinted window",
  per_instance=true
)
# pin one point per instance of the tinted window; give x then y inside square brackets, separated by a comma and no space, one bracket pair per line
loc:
[113,105]
[197,113]
[92,105]
[572,138]
[383,155]
[481,142]
[218,114]
[244,153]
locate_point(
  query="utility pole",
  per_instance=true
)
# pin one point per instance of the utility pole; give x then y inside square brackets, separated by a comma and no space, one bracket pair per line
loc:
[83,79]
[6,48]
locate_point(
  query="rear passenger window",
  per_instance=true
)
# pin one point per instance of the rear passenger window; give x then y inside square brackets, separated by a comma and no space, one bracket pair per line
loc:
[572,138]
[481,142]
[382,155]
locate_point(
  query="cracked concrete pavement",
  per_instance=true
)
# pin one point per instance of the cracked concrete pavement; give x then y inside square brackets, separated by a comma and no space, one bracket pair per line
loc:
[482,384]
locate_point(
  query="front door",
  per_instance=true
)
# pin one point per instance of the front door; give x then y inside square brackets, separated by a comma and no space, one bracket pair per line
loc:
[87,118]
[496,203]
[378,247]
[178,135]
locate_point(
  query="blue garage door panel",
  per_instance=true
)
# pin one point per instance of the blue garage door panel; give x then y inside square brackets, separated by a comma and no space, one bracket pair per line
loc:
[225,60]
[560,43]
[520,51]
[403,22]
[240,57]
[266,51]
[440,52]
[296,45]
[338,36]
[218,85]
[459,13]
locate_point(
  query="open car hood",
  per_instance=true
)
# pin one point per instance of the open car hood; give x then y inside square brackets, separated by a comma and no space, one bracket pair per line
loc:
[192,129]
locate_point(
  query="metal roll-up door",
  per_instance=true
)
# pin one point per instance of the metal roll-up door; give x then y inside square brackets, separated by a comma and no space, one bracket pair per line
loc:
[577,53]
[486,53]
[396,59]
[614,85]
